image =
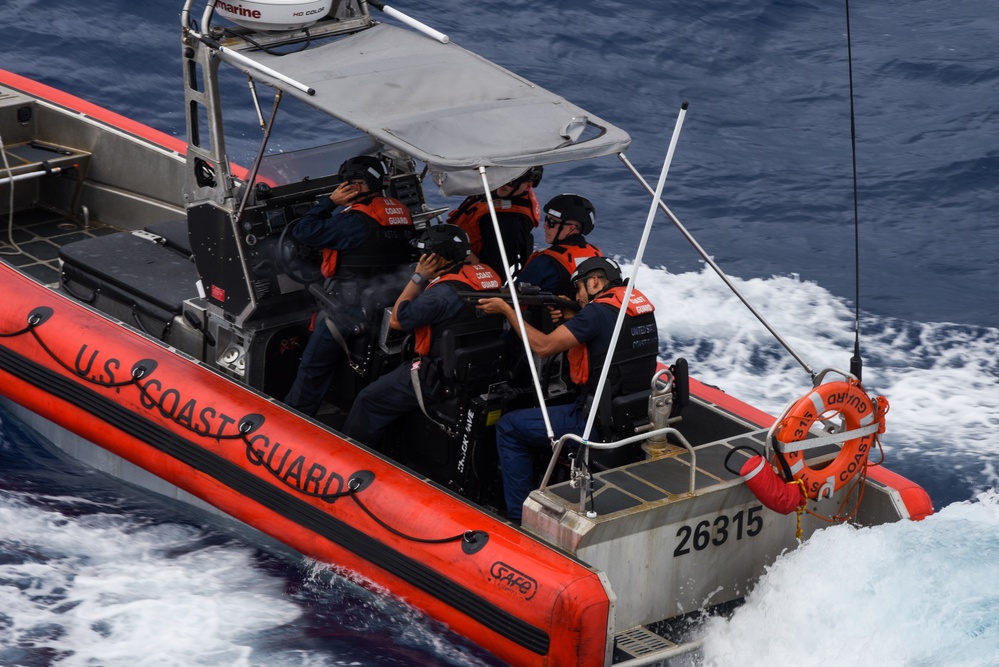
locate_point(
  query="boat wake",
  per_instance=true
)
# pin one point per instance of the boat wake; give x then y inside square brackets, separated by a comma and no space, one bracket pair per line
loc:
[96,572]
[940,378]
[115,589]
[896,594]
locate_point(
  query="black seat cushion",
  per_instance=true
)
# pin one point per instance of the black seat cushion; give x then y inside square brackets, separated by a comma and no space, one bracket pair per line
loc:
[174,233]
[128,267]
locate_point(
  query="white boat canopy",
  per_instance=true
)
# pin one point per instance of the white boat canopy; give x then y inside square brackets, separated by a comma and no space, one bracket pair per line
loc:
[438,103]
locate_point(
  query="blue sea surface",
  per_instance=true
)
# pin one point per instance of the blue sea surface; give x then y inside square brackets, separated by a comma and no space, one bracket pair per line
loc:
[92,573]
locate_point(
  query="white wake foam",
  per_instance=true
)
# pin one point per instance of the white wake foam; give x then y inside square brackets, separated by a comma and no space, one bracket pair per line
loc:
[941,379]
[901,594]
[105,589]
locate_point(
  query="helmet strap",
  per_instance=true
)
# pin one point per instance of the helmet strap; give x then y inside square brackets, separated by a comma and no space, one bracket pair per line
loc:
[586,288]
[561,225]
[454,266]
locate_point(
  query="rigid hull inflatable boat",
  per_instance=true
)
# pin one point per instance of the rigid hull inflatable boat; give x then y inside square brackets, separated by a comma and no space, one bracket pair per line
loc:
[155,309]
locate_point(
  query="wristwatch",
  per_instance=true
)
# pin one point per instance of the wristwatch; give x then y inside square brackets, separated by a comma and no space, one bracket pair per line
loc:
[417,279]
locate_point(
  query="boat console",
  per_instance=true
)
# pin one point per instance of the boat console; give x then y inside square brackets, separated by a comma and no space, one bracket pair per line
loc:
[255,276]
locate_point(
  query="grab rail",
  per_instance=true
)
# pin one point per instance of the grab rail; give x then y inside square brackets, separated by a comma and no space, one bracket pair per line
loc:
[614,445]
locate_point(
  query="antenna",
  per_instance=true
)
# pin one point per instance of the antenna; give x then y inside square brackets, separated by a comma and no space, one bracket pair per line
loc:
[856,363]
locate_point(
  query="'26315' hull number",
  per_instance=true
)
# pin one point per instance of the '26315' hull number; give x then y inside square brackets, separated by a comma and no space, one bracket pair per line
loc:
[746,523]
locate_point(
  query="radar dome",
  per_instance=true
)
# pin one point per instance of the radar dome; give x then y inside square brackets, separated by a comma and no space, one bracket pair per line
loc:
[273,15]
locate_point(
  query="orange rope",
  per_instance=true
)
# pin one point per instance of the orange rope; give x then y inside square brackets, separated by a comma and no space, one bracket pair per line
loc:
[839,517]
[801,507]
[860,480]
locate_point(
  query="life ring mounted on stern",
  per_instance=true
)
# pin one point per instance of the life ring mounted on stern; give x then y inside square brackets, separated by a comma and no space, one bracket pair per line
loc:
[863,420]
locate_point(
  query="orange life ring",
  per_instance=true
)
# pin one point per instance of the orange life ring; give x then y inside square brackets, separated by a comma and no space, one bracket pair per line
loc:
[846,398]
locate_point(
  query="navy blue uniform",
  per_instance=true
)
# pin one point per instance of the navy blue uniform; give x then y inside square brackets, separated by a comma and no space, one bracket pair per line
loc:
[392,395]
[344,230]
[519,432]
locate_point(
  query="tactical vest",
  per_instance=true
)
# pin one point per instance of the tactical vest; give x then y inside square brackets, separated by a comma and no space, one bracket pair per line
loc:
[568,253]
[478,277]
[473,209]
[635,356]
[386,245]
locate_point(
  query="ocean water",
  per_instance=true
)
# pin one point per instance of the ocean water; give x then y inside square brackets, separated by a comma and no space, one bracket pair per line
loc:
[92,573]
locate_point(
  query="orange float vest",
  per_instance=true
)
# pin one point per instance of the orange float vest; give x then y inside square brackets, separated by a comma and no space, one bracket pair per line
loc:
[568,253]
[478,277]
[637,345]
[386,243]
[467,215]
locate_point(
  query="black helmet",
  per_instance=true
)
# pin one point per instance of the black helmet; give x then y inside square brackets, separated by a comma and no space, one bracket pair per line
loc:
[533,175]
[447,241]
[610,268]
[572,207]
[364,167]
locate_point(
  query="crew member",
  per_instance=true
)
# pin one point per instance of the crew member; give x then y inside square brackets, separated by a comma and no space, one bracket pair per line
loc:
[517,212]
[600,291]
[368,237]
[568,219]
[428,304]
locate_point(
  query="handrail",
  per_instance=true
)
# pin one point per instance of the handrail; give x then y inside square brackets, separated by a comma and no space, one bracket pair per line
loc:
[189,31]
[42,169]
[410,21]
[669,430]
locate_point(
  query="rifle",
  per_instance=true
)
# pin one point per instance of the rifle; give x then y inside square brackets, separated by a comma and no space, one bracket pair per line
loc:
[527,295]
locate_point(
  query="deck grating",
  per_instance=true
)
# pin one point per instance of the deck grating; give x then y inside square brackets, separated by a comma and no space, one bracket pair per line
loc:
[640,641]
[39,234]
[630,486]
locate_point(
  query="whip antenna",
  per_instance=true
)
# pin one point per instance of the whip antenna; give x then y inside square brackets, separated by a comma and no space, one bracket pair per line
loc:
[856,363]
